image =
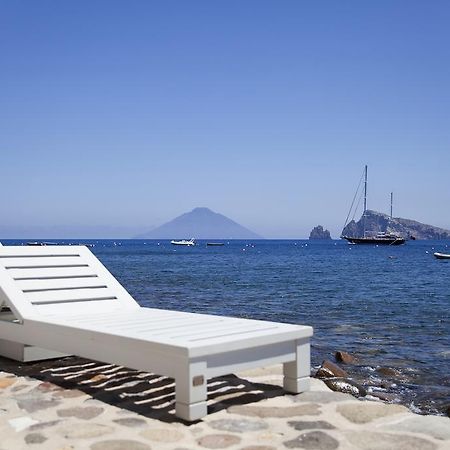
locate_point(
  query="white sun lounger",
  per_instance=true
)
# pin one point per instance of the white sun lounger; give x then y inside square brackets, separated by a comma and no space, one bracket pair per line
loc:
[62,300]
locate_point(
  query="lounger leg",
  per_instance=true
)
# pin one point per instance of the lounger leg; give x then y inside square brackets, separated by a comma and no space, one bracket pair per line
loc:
[296,373]
[191,392]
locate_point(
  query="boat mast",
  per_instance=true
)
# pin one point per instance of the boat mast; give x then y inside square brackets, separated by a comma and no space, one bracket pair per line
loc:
[392,197]
[365,200]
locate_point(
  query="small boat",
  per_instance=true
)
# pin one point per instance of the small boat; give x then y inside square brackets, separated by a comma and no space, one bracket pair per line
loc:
[441,255]
[185,242]
[214,244]
[41,243]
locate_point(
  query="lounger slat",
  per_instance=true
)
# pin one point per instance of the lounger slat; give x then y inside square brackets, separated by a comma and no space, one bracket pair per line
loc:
[45,262]
[70,295]
[58,283]
[56,273]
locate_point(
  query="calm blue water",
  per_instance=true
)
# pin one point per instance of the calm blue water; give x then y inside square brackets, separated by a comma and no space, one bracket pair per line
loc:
[388,305]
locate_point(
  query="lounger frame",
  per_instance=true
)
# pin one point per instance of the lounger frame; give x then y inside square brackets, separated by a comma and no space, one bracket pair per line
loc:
[64,301]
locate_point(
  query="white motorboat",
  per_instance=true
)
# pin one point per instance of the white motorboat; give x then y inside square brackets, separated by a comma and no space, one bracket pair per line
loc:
[441,255]
[184,242]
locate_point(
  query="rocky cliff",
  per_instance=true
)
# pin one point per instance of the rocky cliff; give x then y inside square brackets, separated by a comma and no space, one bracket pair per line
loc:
[378,222]
[319,233]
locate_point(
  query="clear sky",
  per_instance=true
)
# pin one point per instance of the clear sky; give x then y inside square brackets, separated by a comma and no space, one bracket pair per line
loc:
[129,113]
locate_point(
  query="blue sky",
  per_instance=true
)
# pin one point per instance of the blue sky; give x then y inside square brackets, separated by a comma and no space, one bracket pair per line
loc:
[129,113]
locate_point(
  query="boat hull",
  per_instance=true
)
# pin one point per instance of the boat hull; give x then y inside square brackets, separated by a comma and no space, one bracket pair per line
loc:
[374,241]
[441,255]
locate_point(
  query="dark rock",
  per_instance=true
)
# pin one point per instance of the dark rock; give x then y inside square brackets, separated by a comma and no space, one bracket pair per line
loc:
[344,357]
[314,440]
[345,385]
[389,372]
[448,411]
[385,396]
[330,370]
[319,233]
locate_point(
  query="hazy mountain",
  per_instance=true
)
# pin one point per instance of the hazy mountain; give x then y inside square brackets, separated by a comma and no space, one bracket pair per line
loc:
[376,222]
[200,223]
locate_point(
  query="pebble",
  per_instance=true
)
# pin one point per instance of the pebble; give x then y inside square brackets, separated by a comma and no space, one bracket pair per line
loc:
[380,441]
[84,430]
[86,413]
[35,438]
[314,440]
[43,425]
[218,441]
[120,444]
[364,412]
[237,426]
[162,435]
[131,422]
[259,447]
[437,427]
[320,397]
[304,425]
[308,409]
[35,401]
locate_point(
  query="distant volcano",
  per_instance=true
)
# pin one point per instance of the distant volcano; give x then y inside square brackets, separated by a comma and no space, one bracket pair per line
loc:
[200,223]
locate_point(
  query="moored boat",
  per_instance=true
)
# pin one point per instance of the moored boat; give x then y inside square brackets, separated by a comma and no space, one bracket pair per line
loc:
[186,242]
[380,238]
[441,255]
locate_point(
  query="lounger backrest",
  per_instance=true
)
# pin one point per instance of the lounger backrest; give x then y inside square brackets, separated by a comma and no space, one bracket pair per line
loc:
[57,279]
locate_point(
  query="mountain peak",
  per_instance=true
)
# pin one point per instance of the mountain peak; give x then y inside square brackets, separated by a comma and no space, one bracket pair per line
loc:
[201,223]
[202,210]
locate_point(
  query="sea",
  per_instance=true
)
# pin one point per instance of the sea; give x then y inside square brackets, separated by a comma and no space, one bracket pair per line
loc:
[387,305]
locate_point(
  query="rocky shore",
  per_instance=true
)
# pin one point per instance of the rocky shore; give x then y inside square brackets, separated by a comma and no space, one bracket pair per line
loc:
[80,404]
[391,384]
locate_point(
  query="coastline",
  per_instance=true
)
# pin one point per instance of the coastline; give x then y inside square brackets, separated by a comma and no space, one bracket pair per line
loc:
[82,404]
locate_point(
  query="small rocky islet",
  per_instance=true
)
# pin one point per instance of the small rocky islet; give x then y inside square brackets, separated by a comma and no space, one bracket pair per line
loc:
[319,233]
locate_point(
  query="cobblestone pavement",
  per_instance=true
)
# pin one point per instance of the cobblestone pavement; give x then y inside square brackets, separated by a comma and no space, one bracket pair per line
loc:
[85,406]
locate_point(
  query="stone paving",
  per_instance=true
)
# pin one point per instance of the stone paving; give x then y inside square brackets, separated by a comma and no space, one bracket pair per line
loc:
[249,412]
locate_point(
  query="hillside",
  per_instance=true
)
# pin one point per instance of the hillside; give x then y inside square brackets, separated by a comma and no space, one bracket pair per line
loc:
[200,223]
[376,222]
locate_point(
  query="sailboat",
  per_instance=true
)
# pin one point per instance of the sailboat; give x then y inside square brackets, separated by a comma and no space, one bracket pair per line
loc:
[381,238]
